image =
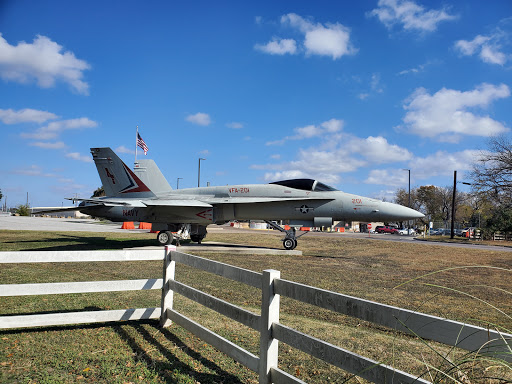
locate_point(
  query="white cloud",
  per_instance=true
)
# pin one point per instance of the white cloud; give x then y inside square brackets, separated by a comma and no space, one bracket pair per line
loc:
[53,129]
[33,170]
[333,125]
[420,68]
[324,40]
[43,61]
[375,87]
[199,119]
[411,15]
[378,150]
[48,145]
[278,47]
[79,157]
[443,163]
[338,153]
[27,115]
[445,115]
[323,130]
[332,41]
[391,177]
[235,125]
[123,149]
[313,163]
[487,47]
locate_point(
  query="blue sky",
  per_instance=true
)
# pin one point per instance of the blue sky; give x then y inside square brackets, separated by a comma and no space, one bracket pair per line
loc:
[350,93]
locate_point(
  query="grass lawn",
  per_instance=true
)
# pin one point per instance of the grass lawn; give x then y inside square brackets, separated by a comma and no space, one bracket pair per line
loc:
[141,352]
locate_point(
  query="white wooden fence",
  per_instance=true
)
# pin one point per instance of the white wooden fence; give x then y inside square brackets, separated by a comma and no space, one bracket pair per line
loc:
[449,332]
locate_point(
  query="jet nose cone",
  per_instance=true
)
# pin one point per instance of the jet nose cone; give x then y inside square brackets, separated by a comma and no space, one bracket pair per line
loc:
[399,212]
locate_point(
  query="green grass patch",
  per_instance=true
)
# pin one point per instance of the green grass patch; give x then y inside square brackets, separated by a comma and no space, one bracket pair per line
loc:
[141,352]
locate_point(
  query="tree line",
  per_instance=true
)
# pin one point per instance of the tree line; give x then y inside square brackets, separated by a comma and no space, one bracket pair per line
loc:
[487,206]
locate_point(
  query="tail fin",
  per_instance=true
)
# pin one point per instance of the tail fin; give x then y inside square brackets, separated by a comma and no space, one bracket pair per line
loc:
[149,173]
[117,178]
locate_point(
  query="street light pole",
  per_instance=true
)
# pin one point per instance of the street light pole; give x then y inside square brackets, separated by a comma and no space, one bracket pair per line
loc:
[178,182]
[199,173]
[452,235]
[409,206]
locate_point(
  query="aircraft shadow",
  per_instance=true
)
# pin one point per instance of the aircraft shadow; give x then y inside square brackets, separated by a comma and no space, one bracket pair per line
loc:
[83,243]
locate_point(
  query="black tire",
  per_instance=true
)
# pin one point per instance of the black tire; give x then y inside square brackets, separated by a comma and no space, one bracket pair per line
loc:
[196,238]
[289,244]
[164,237]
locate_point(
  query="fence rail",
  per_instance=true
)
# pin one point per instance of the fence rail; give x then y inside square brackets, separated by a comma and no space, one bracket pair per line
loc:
[81,317]
[449,332]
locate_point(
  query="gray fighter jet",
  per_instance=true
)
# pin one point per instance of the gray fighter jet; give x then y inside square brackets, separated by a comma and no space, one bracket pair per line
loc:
[144,195]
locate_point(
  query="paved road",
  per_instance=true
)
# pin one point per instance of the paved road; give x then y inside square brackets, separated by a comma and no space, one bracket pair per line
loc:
[90,225]
[56,224]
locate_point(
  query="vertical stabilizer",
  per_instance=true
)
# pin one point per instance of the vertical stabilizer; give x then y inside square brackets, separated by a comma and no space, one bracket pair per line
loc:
[149,173]
[117,178]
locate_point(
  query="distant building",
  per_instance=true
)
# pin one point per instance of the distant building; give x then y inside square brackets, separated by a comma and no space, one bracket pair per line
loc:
[66,214]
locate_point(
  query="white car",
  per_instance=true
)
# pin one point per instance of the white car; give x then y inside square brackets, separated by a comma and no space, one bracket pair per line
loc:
[405,231]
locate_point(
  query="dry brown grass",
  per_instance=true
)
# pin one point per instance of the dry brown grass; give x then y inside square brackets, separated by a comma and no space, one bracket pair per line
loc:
[365,268]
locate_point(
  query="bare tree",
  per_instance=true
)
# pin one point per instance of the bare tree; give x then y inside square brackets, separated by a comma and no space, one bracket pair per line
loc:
[492,173]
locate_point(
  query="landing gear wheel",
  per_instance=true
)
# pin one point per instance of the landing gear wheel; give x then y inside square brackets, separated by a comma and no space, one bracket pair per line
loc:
[164,237]
[289,244]
[196,239]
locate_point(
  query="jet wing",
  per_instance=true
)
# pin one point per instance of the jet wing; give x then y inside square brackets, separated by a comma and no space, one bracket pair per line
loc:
[199,202]
[253,200]
[175,203]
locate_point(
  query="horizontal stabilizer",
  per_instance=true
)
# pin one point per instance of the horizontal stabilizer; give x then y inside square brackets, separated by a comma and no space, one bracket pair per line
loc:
[38,211]
[110,202]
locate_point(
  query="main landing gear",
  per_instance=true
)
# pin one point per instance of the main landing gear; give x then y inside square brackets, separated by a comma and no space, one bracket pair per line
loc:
[290,237]
[179,232]
[165,237]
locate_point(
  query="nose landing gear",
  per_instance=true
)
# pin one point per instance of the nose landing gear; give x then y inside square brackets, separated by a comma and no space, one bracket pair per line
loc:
[290,238]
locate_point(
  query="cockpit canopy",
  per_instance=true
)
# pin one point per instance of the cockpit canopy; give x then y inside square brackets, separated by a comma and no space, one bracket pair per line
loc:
[305,185]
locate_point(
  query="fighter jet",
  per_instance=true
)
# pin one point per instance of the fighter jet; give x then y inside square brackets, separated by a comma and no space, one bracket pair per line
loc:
[144,195]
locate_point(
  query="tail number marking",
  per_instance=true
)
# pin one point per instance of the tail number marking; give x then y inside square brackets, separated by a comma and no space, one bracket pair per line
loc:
[239,190]
[110,175]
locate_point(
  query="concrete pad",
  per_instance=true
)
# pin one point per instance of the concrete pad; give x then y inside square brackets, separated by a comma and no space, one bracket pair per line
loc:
[238,249]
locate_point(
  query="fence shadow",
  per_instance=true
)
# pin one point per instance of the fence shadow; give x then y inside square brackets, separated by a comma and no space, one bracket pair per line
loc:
[172,362]
[146,330]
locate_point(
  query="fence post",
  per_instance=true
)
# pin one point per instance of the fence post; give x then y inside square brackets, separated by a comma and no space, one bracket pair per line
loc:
[169,268]
[269,315]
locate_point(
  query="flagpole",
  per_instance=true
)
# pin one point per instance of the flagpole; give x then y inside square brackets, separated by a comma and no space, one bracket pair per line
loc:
[136,138]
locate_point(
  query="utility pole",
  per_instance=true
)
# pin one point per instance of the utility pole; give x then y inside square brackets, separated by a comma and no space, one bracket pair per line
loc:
[452,235]
[178,182]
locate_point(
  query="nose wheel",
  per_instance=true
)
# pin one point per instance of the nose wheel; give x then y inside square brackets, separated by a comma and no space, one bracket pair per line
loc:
[289,244]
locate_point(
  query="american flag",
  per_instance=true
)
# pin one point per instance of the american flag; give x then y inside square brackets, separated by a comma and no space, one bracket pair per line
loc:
[142,144]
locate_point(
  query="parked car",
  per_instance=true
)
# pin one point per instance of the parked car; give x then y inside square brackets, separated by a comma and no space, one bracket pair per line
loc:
[386,229]
[436,232]
[406,231]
